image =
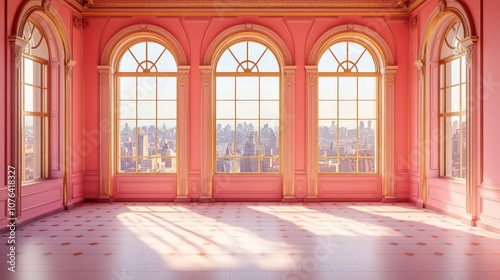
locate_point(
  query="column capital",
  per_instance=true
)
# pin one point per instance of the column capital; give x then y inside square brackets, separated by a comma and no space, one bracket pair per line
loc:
[469,44]
[390,73]
[18,45]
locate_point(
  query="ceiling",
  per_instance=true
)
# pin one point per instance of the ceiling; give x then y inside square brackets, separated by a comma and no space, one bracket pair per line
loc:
[235,6]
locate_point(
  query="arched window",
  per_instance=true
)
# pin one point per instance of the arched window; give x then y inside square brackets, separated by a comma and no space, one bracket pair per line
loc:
[453,102]
[146,84]
[348,83]
[34,104]
[247,109]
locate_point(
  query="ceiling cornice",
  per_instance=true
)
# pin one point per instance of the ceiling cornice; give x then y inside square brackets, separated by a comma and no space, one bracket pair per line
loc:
[233,7]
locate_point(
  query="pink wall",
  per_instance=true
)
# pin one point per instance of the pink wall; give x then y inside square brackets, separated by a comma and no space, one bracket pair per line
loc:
[195,34]
[489,189]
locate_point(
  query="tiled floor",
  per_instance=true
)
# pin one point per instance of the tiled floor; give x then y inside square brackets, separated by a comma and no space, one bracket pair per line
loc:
[239,241]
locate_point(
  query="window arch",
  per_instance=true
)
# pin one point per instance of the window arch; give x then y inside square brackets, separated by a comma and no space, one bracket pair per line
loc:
[247,109]
[348,90]
[453,101]
[146,98]
[34,91]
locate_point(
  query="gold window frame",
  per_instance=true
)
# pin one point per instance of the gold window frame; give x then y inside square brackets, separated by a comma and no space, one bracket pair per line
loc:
[259,157]
[377,119]
[43,113]
[458,55]
[136,120]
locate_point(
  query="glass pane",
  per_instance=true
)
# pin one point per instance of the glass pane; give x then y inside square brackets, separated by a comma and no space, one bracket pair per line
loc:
[28,70]
[463,101]
[225,138]
[167,134]
[32,99]
[167,88]
[269,110]
[246,137]
[347,165]
[327,132]
[127,138]
[347,109]
[269,138]
[247,109]
[463,147]
[367,109]
[146,89]
[127,110]
[127,63]
[355,51]
[464,71]
[455,68]
[239,50]
[366,63]
[269,164]
[452,103]
[127,90]
[139,51]
[269,88]
[347,138]
[366,165]
[248,164]
[37,74]
[247,88]
[167,164]
[148,165]
[225,88]
[127,165]
[327,109]
[255,51]
[146,109]
[268,63]
[367,138]
[340,51]
[452,146]
[33,138]
[225,164]
[225,110]
[367,88]
[166,63]
[347,88]
[167,109]
[327,63]
[328,165]
[327,88]
[227,63]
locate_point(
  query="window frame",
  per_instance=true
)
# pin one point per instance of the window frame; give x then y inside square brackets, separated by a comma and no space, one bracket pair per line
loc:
[279,74]
[158,74]
[378,111]
[44,113]
[459,56]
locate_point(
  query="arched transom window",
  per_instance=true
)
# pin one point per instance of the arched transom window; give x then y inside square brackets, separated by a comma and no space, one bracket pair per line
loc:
[453,100]
[146,83]
[347,109]
[35,104]
[247,109]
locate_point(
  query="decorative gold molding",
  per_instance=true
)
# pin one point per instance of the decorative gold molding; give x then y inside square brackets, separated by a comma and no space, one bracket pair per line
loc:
[225,4]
